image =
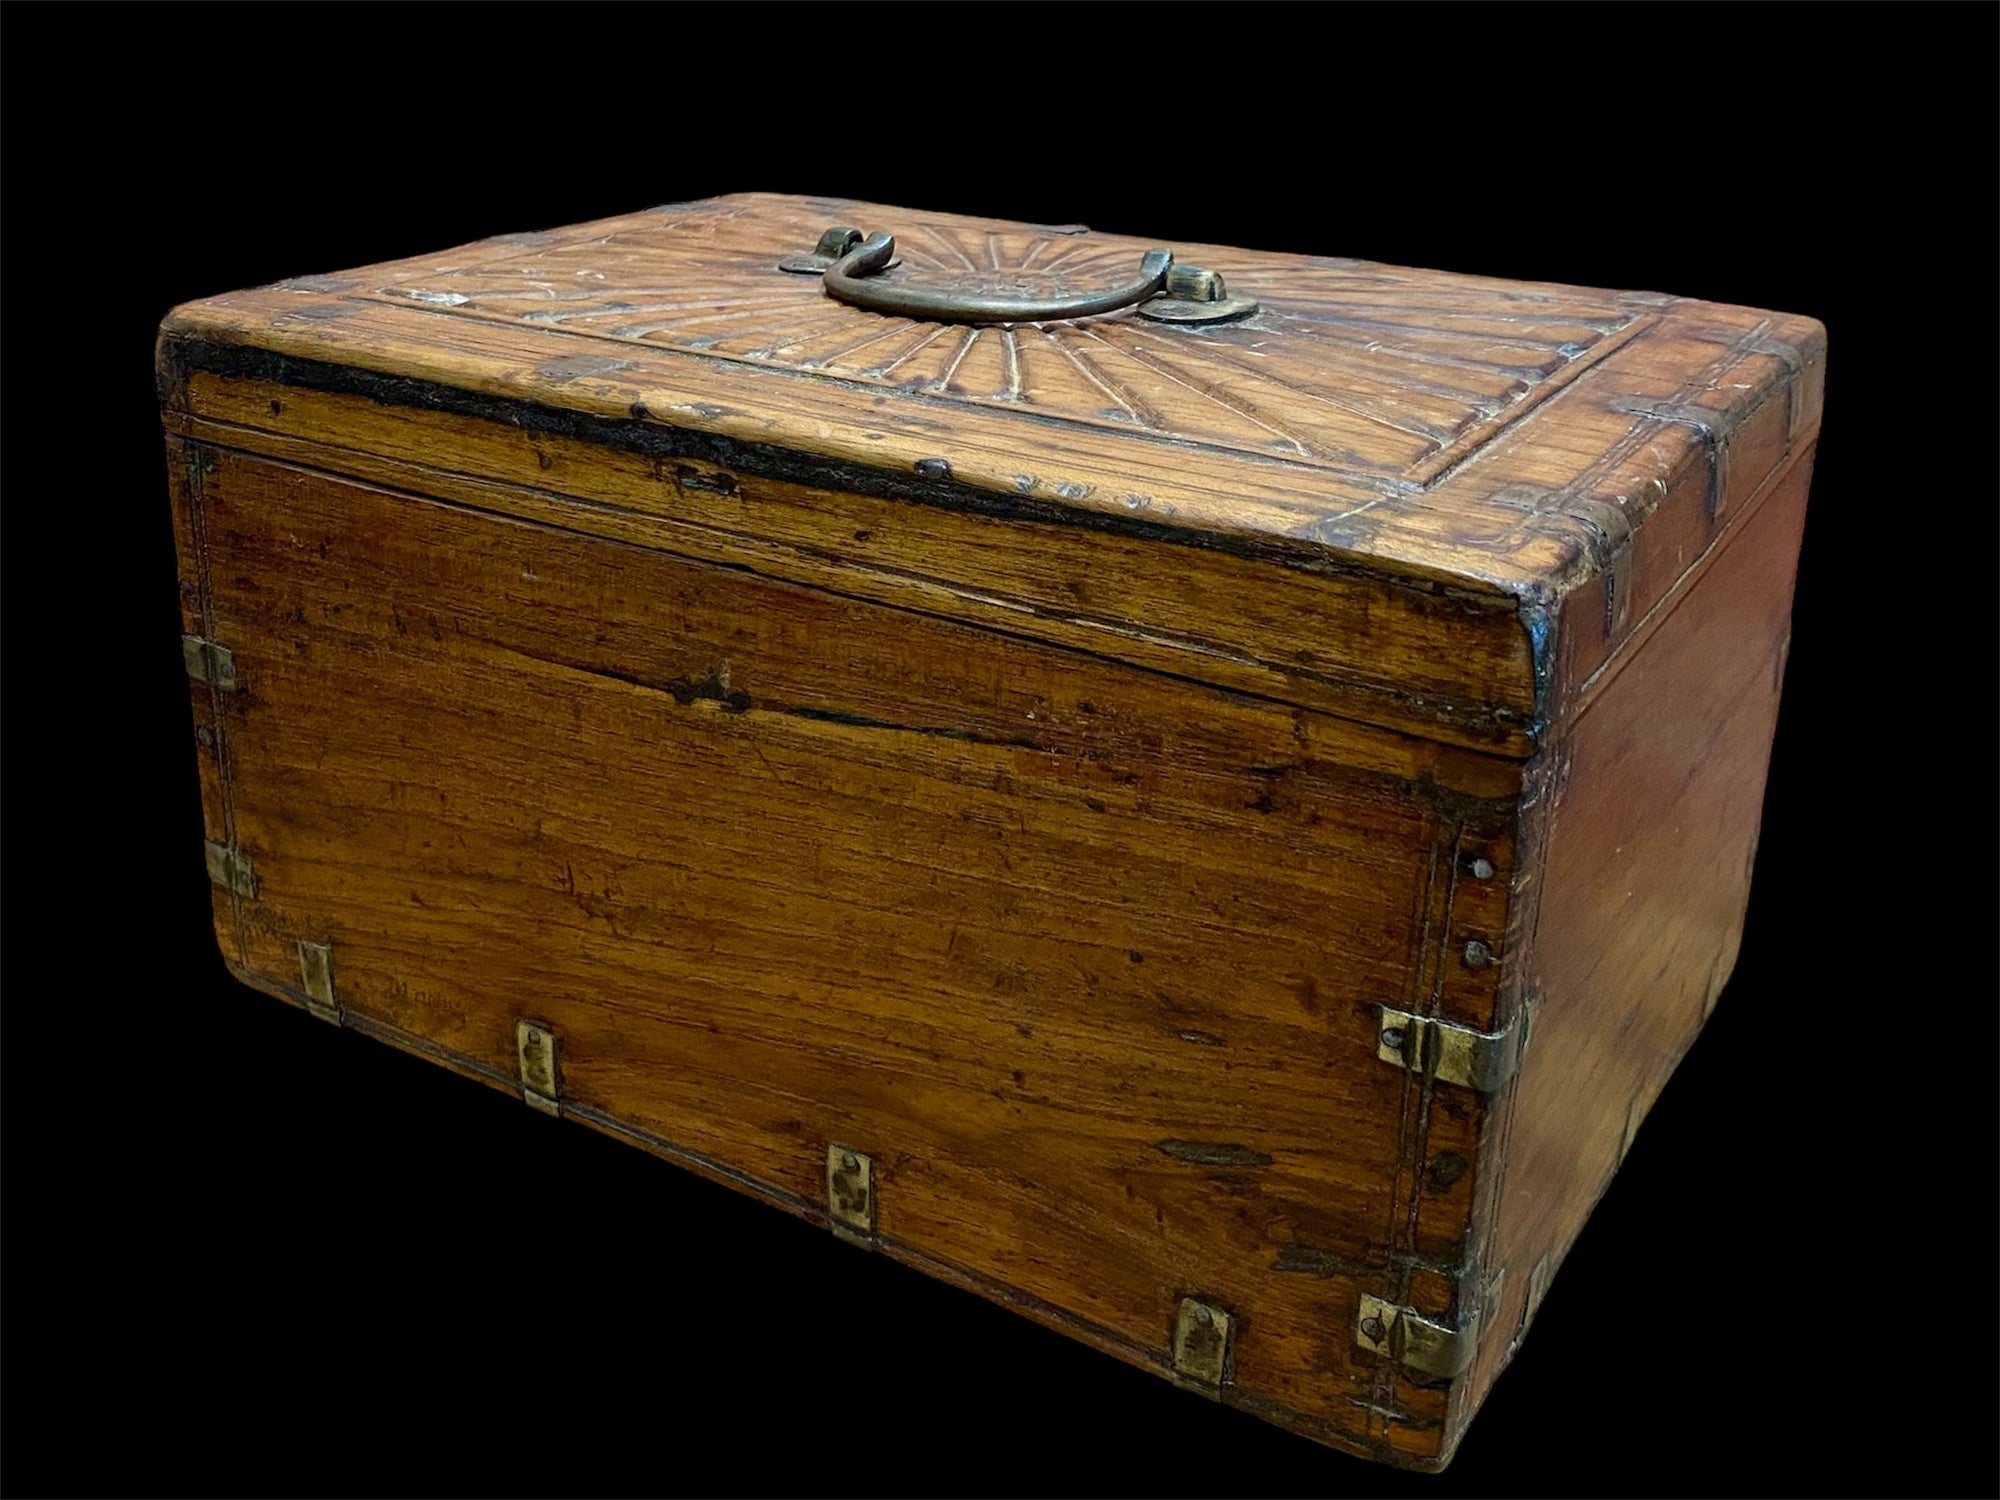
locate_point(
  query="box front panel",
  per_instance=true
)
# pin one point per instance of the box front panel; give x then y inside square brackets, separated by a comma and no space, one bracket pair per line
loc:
[1083,960]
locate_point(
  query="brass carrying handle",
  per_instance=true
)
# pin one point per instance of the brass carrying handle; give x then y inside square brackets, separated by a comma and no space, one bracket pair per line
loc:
[848,280]
[1162,291]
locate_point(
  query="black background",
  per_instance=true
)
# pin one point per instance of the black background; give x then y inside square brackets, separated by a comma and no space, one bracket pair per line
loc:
[245,1252]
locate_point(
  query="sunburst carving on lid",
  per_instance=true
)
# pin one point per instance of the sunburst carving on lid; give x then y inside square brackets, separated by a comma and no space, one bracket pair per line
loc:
[1350,367]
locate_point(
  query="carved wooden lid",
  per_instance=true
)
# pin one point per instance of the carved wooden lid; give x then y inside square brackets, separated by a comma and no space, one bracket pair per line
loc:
[1359,373]
[1502,436]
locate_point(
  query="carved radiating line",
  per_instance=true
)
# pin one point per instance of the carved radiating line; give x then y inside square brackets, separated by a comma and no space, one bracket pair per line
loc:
[1337,330]
[890,327]
[1321,315]
[1448,303]
[841,317]
[1428,431]
[583,293]
[1381,368]
[1013,359]
[1201,388]
[535,291]
[971,338]
[992,250]
[671,297]
[1134,405]
[940,239]
[730,303]
[1361,277]
[810,324]
[1389,365]
[881,372]
[917,255]
[1477,336]
[574,294]
[1071,251]
[1557,328]
[640,330]
[1410,297]
[1068,252]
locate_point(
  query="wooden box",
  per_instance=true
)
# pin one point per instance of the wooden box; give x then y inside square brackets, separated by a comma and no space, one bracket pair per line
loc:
[1200,798]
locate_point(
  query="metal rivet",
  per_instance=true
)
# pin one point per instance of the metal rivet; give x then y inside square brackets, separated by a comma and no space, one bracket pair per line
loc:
[1482,869]
[1393,1038]
[1477,954]
[1447,1169]
[1373,1328]
[1203,1316]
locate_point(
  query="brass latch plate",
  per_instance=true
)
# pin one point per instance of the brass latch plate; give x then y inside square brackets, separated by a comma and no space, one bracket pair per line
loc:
[850,1194]
[1203,1334]
[535,1044]
[229,868]
[1482,1060]
[1414,1341]
[316,978]
[209,662]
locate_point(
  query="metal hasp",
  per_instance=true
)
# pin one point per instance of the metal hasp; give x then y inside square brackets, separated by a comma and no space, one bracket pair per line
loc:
[208,662]
[850,1195]
[229,868]
[316,978]
[540,1087]
[1204,1335]
[1414,1341]
[1482,1060]
[1160,290]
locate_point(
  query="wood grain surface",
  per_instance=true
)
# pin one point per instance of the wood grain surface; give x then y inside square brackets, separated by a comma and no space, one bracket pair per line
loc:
[1030,761]
[1085,958]
[1648,827]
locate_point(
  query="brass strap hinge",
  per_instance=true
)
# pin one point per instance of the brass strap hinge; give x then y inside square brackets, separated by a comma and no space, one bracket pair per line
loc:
[541,1086]
[230,868]
[207,661]
[316,977]
[1482,1060]
[1414,1341]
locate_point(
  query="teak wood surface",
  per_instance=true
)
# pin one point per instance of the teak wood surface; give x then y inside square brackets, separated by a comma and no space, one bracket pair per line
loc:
[1029,757]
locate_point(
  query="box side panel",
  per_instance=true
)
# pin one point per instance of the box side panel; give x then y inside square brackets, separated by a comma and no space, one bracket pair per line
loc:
[1084,958]
[1654,798]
